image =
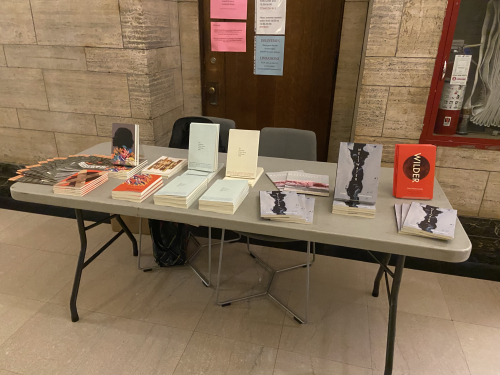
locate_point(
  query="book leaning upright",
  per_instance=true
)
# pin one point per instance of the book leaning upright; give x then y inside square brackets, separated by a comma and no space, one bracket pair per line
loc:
[242,156]
[203,147]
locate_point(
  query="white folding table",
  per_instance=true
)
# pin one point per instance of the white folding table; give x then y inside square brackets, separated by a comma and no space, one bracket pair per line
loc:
[378,234]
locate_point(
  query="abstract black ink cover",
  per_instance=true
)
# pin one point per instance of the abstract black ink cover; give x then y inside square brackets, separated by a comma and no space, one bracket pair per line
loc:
[429,221]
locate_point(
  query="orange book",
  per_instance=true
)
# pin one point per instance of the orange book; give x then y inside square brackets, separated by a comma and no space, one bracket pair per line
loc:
[414,167]
[138,183]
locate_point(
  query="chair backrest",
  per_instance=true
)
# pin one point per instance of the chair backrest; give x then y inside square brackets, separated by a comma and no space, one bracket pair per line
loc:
[180,131]
[288,143]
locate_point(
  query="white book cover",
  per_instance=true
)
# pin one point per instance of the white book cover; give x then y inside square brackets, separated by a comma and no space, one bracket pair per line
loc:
[182,186]
[279,178]
[430,219]
[397,210]
[203,146]
[242,153]
[208,175]
[225,191]
[279,203]
[405,207]
[308,183]
[165,166]
[358,172]
[309,209]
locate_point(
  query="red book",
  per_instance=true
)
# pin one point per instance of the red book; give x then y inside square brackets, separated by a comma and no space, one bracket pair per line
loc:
[138,183]
[414,167]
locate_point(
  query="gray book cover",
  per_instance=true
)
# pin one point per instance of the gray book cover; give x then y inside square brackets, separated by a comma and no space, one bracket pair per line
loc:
[274,203]
[433,220]
[358,172]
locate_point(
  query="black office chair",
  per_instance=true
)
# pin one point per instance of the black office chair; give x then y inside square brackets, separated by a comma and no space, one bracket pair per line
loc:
[288,144]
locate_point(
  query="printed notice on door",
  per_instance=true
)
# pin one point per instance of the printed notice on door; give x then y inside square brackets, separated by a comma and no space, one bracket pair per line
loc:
[228,9]
[269,52]
[270,17]
[229,36]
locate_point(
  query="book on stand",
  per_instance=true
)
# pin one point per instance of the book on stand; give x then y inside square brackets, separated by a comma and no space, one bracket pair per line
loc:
[308,183]
[125,144]
[137,188]
[208,175]
[429,221]
[182,192]
[81,183]
[165,166]
[251,182]
[224,196]
[123,172]
[414,167]
[242,153]
[203,147]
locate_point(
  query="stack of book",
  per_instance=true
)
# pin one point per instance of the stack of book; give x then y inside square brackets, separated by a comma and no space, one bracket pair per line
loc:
[165,166]
[414,167]
[242,156]
[224,196]
[428,221]
[182,192]
[81,183]
[137,188]
[356,185]
[208,175]
[123,172]
[286,206]
[308,183]
[279,178]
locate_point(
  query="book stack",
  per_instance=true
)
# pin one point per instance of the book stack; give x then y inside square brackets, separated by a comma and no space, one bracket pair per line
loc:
[429,221]
[308,183]
[414,167]
[81,183]
[242,156]
[356,185]
[182,192]
[125,144]
[279,178]
[165,166]
[123,172]
[137,188]
[224,196]
[286,206]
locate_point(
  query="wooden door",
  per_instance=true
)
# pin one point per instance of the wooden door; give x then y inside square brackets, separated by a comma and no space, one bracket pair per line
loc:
[302,98]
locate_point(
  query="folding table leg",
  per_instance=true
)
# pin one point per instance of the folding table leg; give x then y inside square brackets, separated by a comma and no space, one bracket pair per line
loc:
[79,267]
[376,285]
[129,234]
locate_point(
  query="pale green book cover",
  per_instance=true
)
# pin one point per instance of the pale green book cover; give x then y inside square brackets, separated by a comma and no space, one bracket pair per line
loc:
[225,191]
[203,147]
[182,186]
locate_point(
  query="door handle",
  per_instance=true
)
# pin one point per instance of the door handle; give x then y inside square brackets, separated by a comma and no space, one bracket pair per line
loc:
[213,90]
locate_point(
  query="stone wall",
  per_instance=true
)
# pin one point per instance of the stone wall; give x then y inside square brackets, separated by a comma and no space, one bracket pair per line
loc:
[402,43]
[69,69]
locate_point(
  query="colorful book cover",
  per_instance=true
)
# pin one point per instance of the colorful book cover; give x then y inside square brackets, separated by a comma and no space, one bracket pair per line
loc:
[436,221]
[279,178]
[358,172]
[138,183]
[308,183]
[125,144]
[414,167]
[80,179]
[164,165]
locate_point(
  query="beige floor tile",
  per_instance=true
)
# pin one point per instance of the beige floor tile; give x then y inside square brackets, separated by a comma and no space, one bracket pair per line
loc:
[35,231]
[106,287]
[420,293]
[50,344]
[257,321]
[129,347]
[336,330]
[425,345]
[288,363]
[470,300]
[9,217]
[175,297]
[14,312]
[11,256]
[40,276]
[480,346]
[213,355]
[495,288]
[120,251]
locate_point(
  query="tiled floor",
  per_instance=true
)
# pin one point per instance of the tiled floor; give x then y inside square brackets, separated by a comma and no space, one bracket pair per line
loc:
[166,322]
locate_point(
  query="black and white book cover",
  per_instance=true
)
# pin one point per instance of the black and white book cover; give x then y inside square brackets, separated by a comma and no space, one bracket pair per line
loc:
[435,221]
[358,172]
[279,203]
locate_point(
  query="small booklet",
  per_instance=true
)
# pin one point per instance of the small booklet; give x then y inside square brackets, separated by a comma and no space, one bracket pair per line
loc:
[308,183]
[224,196]
[125,144]
[279,203]
[81,182]
[242,153]
[182,192]
[137,188]
[279,178]
[429,221]
[165,166]
[203,147]
[358,172]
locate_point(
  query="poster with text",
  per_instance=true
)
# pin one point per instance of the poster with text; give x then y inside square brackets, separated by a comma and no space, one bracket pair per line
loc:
[270,17]
[228,9]
[229,36]
[269,53]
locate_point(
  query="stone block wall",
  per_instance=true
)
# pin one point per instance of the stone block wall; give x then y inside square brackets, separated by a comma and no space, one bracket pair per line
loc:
[402,44]
[69,69]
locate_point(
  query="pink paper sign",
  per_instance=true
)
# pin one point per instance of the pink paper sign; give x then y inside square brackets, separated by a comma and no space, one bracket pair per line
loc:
[228,9]
[229,37]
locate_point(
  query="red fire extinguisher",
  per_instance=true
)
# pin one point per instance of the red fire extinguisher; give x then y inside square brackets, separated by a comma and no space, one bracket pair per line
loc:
[450,106]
